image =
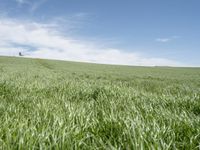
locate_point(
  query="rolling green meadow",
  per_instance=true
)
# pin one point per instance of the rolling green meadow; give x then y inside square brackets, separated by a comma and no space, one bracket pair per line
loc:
[49,104]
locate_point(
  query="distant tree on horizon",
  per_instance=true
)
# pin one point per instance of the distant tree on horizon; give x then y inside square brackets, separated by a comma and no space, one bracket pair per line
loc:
[20,54]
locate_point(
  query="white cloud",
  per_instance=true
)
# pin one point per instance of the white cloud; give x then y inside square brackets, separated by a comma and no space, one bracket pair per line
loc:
[21,1]
[163,40]
[42,41]
[37,4]
[33,5]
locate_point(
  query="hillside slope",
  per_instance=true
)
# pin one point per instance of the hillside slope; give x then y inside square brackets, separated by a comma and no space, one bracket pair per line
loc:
[46,104]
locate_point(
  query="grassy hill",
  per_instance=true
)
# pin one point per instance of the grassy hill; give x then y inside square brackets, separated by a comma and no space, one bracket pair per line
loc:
[46,104]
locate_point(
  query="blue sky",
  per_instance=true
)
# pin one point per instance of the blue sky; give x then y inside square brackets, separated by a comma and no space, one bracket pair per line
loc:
[132,32]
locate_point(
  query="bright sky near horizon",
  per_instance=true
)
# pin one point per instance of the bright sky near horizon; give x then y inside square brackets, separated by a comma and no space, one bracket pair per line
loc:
[129,32]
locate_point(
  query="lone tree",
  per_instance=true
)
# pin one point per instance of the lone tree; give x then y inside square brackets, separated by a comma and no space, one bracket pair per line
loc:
[20,54]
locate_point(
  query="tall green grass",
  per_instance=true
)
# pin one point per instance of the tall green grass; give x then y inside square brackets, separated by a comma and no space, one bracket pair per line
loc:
[66,105]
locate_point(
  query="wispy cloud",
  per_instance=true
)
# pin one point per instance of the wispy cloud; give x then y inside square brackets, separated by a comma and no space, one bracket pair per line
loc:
[37,4]
[33,5]
[44,41]
[164,40]
[21,1]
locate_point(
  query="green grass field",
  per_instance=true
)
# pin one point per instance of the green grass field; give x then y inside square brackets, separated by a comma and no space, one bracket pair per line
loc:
[46,104]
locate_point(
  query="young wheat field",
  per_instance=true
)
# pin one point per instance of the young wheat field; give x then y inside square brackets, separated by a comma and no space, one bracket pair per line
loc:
[48,104]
